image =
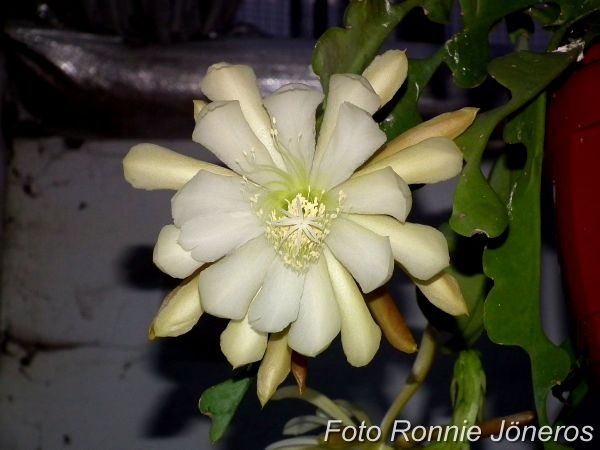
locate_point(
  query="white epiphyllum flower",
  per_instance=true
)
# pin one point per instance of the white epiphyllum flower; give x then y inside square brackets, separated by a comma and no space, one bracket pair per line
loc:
[291,227]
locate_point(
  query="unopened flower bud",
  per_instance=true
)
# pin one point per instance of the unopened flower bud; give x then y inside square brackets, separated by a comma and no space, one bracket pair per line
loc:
[390,320]
[386,74]
[179,311]
[449,125]
[444,292]
[274,367]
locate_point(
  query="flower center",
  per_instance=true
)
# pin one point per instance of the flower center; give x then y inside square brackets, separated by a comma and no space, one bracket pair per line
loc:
[297,233]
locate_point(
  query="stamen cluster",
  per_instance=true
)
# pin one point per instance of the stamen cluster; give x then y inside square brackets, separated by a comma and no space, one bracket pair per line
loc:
[297,233]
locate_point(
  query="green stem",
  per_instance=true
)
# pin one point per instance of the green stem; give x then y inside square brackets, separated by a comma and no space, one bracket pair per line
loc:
[418,373]
[319,400]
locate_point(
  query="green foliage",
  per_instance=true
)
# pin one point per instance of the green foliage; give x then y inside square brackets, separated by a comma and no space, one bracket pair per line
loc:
[367,25]
[477,208]
[220,403]
[468,52]
[571,12]
[512,310]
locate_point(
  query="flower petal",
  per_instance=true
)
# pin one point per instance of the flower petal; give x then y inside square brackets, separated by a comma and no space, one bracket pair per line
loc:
[432,160]
[380,192]
[150,167]
[444,292]
[214,215]
[354,140]
[450,125]
[367,255]
[228,286]
[343,88]
[420,249]
[292,109]
[241,344]
[274,367]
[360,334]
[179,311]
[278,301]
[170,257]
[210,237]
[225,82]
[386,73]
[222,129]
[207,193]
[318,319]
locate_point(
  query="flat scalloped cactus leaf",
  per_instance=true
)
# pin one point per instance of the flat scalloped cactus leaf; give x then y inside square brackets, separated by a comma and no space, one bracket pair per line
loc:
[571,12]
[468,52]
[467,55]
[512,313]
[477,208]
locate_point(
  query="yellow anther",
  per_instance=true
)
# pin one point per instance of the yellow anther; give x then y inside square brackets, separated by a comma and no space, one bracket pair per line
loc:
[297,232]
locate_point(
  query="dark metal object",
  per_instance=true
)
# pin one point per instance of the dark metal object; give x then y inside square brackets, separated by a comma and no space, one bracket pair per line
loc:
[84,85]
[136,21]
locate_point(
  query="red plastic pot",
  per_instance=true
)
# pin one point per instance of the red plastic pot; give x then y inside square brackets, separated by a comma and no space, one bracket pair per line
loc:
[573,142]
